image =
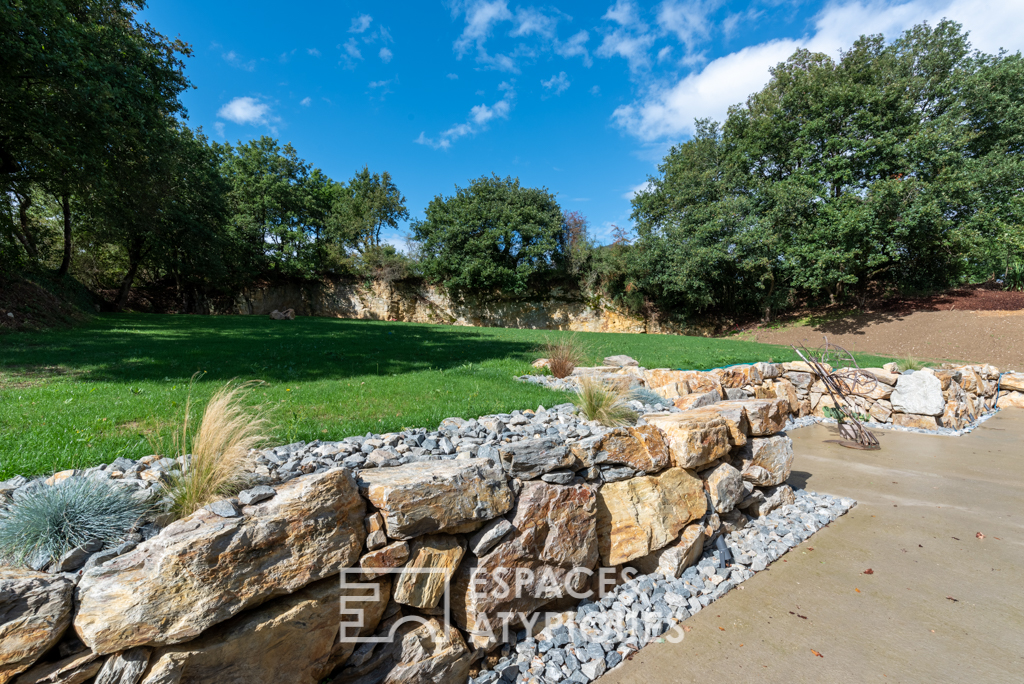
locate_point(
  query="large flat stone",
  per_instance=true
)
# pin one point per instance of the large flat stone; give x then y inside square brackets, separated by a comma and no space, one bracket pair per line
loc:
[530,458]
[732,412]
[290,639]
[644,514]
[75,669]
[379,562]
[35,610]
[919,393]
[554,531]
[1012,382]
[738,376]
[440,552]
[695,382]
[693,441]
[205,569]
[912,420]
[433,496]
[642,448]
[765,416]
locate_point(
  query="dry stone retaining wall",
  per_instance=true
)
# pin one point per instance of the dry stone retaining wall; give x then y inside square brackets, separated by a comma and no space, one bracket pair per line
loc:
[247,590]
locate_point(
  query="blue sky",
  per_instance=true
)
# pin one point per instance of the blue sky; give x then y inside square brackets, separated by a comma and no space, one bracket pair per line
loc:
[581,97]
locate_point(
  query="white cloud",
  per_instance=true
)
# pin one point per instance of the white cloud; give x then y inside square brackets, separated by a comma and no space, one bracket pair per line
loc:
[558,83]
[669,113]
[314,52]
[636,190]
[352,49]
[360,23]
[380,84]
[574,47]
[481,17]
[631,46]
[306,101]
[623,12]
[596,90]
[479,117]
[452,77]
[234,60]
[690,22]
[219,127]
[245,110]
[385,36]
[530,21]
[385,55]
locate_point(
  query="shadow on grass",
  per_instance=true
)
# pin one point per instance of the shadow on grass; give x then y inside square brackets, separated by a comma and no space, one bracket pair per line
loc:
[134,347]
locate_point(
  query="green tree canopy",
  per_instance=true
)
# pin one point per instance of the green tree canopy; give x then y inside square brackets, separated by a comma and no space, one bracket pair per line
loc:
[494,235]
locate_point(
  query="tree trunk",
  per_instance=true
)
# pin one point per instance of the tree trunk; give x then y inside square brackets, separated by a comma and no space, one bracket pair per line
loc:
[134,257]
[65,264]
[25,236]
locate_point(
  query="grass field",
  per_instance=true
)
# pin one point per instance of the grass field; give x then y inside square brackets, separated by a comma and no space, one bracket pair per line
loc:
[117,386]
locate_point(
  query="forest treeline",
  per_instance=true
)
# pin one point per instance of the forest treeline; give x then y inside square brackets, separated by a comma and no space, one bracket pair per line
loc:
[893,167]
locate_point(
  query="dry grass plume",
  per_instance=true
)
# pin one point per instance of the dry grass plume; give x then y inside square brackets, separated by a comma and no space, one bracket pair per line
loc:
[564,355]
[605,402]
[220,462]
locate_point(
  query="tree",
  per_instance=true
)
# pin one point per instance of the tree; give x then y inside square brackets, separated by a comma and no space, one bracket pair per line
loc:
[492,236]
[78,77]
[370,203]
[882,170]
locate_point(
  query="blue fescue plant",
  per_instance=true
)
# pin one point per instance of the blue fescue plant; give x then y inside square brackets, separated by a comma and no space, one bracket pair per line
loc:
[648,396]
[47,521]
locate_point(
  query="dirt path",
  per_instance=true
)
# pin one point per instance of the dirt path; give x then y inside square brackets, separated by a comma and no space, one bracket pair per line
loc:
[995,337]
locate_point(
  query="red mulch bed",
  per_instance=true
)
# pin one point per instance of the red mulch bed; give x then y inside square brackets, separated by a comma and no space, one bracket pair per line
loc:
[983,297]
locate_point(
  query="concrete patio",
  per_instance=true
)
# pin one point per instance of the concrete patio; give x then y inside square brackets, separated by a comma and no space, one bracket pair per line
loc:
[901,589]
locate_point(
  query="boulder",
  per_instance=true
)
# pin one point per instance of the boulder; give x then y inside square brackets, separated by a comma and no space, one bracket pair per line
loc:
[692,441]
[290,639]
[1011,400]
[126,667]
[785,389]
[644,514]
[725,485]
[424,590]
[770,499]
[883,375]
[677,556]
[620,360]
[530,458]
[695,382]
[695,400]
[1012,382]
[552,543]
[765,416]
[738,376]
[491,533]
[732,413]
[377,563]
[376,538]
[768,371]
[880,412]
[35,611]
[919,393]
[642,448]
[800,380]
[766,461]
[433,496]
[204,569]
[421,652]
[74,669]
[911,420]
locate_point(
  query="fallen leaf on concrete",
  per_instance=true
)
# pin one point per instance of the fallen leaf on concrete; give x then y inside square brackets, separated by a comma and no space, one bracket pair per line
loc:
[979,535]
[721,629]
[856,590]
[869,571]
[816,653]
[953,599]
[687,628]
[957,538]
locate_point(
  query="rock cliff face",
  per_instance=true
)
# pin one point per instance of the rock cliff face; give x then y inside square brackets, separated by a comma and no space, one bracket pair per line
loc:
[401,301]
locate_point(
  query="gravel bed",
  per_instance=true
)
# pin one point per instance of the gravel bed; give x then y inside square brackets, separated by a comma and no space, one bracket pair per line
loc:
[649,608]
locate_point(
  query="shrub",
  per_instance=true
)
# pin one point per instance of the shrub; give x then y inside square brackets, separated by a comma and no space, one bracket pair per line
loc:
[915,364]
[648,396]
[1014,279]
[605,402]
[220,461]
[564,355]
[48,521]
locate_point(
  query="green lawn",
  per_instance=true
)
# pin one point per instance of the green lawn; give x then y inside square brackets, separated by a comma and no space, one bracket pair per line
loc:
[75,398]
